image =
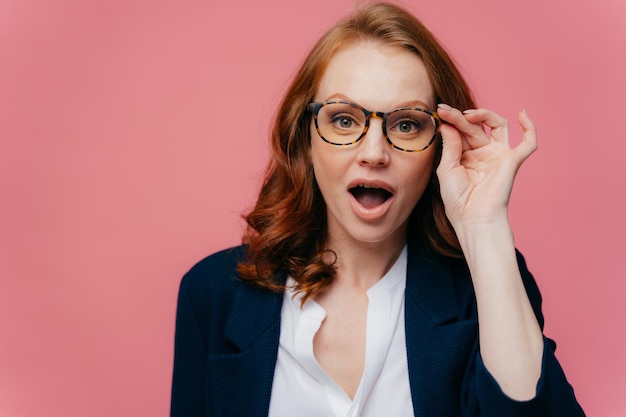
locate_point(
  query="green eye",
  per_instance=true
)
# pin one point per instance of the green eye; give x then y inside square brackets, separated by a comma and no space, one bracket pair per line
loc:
[407,126]
[343,122]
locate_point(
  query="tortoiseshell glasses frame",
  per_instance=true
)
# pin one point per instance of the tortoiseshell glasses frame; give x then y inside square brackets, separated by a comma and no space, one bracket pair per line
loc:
[344,123]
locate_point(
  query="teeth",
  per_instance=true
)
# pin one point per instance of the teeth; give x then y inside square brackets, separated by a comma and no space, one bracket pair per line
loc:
[369,186]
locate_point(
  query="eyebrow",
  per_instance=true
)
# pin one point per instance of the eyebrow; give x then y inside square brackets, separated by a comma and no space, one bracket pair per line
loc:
[410,103]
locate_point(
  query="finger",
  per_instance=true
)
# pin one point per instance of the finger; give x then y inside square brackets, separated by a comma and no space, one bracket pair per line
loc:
[499,125]
[473,132]
[528,145]
[452,149]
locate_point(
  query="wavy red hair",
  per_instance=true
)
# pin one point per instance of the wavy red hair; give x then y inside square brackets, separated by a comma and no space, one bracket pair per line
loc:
[287,228]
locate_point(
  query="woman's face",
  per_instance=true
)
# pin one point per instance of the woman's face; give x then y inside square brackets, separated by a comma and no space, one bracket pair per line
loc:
[369,187]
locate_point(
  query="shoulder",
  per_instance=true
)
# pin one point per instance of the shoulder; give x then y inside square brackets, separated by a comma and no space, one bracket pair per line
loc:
[225,311]
[213,278]
[216,265]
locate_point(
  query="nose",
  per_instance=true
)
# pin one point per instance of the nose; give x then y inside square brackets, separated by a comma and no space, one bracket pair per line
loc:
[373,148]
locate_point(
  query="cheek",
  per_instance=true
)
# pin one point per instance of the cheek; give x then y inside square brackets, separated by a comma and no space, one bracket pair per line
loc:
[322,165]
[424,164]
[433,156]
[323,156]
[419,175]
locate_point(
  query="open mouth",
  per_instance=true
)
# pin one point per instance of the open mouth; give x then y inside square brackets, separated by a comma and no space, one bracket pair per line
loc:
[370,197]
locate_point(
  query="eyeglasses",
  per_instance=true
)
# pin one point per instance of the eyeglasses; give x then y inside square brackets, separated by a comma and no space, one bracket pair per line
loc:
[342,123]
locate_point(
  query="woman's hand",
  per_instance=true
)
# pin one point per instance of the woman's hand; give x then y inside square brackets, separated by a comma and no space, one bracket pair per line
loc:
[476,175]
[478,167]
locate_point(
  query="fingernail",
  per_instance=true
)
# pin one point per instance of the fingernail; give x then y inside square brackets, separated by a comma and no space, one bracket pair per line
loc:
[444,106]
[524,110]
[469,111]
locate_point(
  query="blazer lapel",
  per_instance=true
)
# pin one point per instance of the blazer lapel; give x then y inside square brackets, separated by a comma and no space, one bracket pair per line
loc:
[437,335]
[240,384]
[438,339]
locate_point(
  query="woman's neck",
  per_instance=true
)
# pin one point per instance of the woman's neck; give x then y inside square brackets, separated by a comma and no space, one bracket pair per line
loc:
[363,265]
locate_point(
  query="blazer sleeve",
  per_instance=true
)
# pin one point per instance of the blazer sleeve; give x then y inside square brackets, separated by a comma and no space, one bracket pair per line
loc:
[554,395]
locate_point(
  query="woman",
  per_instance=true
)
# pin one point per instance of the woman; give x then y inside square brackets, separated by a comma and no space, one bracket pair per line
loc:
[379,275]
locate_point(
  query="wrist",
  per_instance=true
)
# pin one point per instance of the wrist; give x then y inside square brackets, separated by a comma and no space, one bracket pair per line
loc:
[485,239]
[496,223]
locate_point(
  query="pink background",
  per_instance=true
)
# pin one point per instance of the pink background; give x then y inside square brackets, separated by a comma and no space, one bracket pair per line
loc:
[133,133]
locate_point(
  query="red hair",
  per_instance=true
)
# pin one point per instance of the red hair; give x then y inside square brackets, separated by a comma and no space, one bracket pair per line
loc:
[287,227]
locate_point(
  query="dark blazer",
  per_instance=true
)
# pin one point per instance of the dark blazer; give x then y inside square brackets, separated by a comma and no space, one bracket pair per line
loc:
[227,335]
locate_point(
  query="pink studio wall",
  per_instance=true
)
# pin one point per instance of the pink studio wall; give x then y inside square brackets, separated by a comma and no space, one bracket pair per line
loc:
[133,133]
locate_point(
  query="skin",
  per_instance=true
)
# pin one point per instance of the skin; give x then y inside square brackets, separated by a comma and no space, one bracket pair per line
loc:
[366,242]
[476,173]
[359,73]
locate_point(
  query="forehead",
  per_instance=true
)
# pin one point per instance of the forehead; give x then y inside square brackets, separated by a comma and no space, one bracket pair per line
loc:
[377,76]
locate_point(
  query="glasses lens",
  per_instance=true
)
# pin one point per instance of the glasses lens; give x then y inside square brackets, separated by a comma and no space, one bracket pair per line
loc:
[410,129]
[341,123]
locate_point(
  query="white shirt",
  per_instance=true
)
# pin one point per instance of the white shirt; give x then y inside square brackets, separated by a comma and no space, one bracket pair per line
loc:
[302,388]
